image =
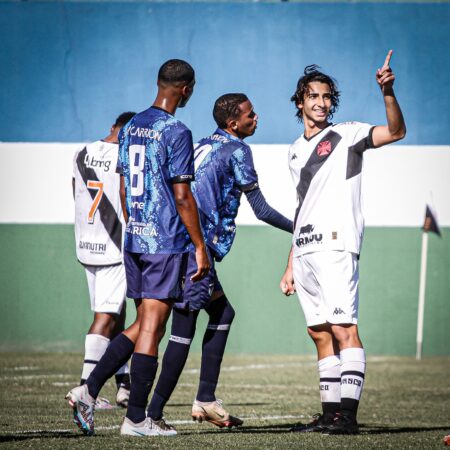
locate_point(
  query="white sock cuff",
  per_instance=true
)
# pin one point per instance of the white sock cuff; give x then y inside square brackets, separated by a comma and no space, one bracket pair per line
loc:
[328,362]
[353,354]
[95,346]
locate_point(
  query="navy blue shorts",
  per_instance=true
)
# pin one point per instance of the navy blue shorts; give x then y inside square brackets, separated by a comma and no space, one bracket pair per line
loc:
[198,295]
[155,276]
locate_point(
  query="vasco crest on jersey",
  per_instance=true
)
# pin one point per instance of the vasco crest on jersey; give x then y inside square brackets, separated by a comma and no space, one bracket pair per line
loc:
[307,236]
[324,148]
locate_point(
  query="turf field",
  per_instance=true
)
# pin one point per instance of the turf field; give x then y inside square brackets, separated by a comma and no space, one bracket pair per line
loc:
[406,404]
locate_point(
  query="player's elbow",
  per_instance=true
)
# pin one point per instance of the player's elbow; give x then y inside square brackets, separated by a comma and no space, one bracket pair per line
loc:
[400,134]
[181,201]
[182,194]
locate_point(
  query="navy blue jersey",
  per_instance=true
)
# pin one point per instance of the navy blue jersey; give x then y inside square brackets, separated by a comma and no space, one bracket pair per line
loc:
[155,151]
[223,170]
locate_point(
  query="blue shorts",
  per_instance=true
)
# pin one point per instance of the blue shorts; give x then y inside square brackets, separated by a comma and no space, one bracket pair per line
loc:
[197,295]
[157,276]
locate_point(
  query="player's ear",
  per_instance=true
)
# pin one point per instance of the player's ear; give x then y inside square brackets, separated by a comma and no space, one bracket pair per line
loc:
[187,90]
[232,124]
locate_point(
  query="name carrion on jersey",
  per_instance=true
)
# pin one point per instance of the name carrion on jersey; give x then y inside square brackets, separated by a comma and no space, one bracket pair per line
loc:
[156,150]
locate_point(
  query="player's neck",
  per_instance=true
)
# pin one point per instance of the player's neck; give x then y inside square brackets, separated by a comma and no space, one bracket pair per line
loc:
[168,103]
[233,133]
[111,138]
[312,127]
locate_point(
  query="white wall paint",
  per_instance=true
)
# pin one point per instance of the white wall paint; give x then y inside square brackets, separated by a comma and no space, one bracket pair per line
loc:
[35,183]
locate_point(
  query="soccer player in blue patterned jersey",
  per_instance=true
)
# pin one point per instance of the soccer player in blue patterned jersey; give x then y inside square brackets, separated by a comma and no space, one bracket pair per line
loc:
[224,170]
[156,163]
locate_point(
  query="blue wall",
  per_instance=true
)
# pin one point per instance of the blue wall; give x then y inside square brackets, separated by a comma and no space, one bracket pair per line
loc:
[67,69]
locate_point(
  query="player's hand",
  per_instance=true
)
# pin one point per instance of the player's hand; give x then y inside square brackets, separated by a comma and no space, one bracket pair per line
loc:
[203,264]
[384,76]
[287,282]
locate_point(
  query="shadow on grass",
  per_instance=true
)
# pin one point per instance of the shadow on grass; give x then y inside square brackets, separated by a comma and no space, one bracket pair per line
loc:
[285,428]
[364,429]
[264,429]
[189,405]
[39,435]
[386,429]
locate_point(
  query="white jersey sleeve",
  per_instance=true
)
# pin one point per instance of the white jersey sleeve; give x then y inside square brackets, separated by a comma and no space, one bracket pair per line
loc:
[99,222]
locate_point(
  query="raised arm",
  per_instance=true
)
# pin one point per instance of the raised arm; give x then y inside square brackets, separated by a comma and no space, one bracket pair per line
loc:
[187,209]
[395,128]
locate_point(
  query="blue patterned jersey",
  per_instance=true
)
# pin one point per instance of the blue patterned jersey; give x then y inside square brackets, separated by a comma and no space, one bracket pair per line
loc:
[155,150]
[223,170]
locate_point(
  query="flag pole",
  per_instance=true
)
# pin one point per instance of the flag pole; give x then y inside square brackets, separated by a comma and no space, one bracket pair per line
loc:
[422,285]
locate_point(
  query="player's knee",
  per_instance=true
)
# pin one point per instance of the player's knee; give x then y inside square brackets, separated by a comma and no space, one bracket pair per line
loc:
[104,324]
[345,334]
[319,337]
[228,314]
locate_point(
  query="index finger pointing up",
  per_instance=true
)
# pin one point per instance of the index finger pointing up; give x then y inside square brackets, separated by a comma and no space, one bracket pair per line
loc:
[388,58]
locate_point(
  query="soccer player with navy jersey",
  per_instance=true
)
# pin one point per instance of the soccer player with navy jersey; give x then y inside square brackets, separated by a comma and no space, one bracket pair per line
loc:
[326,164]
[156,163]
[223,171]
[99,229]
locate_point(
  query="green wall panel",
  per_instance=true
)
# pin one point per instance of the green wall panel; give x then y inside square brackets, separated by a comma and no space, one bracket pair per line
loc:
[44,299]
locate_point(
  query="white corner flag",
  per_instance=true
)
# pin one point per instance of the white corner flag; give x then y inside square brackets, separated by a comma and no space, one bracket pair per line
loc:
[430,224]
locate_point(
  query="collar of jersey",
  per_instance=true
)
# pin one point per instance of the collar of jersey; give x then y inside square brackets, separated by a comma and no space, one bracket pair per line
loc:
[227,135]
[160,109]
[317,134]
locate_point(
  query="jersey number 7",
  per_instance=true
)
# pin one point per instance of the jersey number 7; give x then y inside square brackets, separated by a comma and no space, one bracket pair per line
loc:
[98,186]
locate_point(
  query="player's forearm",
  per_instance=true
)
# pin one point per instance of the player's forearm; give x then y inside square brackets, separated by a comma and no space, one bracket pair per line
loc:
[395,121]
[123,201]
[266,213]
[290,257]
[187,209]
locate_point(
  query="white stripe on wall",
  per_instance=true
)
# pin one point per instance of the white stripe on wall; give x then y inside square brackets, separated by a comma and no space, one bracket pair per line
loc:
[35,183]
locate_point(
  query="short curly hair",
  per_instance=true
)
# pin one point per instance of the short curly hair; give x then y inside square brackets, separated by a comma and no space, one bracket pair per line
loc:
[176,71]
[226,107]
[310,74]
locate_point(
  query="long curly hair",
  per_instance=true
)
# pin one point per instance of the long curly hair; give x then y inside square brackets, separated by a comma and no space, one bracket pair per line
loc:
[310,74]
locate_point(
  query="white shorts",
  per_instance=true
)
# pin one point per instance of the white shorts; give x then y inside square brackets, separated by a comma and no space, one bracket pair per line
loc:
[107,287]
[327,287]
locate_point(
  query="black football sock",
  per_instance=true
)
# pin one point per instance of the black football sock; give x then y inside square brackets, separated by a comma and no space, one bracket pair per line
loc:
[175,356]
[143,372]
[116,355]
[221,315]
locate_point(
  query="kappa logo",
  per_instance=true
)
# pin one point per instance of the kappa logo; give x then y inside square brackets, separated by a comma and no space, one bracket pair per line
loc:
[338,311]
[324,148]
[294,156]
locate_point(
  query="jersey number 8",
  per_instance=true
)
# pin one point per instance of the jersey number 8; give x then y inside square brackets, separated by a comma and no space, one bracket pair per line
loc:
[137,161]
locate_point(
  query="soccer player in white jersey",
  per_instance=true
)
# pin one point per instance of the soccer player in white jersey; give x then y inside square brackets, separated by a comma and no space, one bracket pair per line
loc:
[99,227]
[325,163]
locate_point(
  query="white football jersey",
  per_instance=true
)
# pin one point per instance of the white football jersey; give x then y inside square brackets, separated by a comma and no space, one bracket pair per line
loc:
[326,171]
[99,222]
